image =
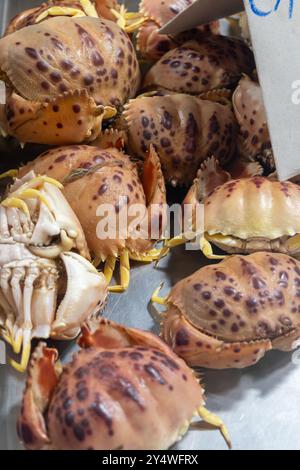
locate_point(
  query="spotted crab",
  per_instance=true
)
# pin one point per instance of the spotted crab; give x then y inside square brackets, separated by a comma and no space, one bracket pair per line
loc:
[254,139]
[248,215]
[184,129]
[244,215]
[93,178]
[201,65]
[230,314]
[151,17]
[47,285]
[63,77]
[125,389]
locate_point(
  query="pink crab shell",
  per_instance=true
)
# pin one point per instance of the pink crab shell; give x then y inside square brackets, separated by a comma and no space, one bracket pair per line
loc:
[125,389]
[228,315]
[185,131]
[153,45]
[198,66]
[60,74]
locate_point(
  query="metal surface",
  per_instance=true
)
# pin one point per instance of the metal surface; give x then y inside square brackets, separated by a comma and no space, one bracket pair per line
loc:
[258,404]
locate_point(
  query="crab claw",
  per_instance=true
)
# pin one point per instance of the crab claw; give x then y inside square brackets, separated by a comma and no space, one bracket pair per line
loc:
[41,382]
[85,295]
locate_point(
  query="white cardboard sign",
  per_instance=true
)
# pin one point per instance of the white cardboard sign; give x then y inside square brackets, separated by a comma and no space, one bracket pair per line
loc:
[275,32]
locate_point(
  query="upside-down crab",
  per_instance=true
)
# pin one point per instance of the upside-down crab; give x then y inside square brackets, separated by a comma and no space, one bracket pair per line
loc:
[230,314]
[63,77]
[125,389]
[46,290]
[184,129]
[254,139]
[151,17]
[94,178]
[201,65]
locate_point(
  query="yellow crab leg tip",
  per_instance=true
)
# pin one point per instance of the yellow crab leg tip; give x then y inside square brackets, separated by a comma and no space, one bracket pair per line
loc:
[155,299]
[89,8]
[206,249]
[109,268]
[124,274]
[9,174]
[31,193]
[215,421]
[17,203]
[46,179]
[59,11]
[22,366]
[109,112]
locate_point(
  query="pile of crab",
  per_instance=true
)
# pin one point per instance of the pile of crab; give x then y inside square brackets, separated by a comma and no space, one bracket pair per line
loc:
[118,135]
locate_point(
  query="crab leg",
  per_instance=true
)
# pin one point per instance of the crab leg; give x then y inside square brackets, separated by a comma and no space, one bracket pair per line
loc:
[124,273]
[148,257]
[155,299]
[18,275]
[215,421]
[128,21]
[9,174]
[44,293]
[16,202]
[26,347]
[206,249]
[109,268]
[5,275]
[4,230]
[60,11]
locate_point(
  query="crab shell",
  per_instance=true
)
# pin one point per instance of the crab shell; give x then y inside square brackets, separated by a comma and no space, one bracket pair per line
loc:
[229,315]
[126,389]
[198,66]
[38,230]
[254,138]
[184,129]
[61,74]
[93,177]
[254,214]
[150,42]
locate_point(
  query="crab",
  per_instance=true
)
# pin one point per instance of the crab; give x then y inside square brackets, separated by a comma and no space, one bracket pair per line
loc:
[125,389]
[93,178]
[73,8]
[242,216]
[184,129]
[151,17]
[254,139]
[63,77]
[230,314]
[46,290]
[201,65]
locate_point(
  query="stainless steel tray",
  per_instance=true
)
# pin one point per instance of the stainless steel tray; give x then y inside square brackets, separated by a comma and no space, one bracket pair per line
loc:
[259,405]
